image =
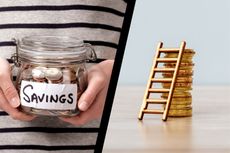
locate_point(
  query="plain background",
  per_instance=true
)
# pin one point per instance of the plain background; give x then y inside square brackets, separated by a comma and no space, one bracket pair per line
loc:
[203,24]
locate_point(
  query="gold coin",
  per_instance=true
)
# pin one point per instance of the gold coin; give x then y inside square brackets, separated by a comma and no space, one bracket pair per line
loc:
[186,53]
[180,113]
[184,79]
[179,88]
[180,107]
[181,73]
[178,84]
[179,94]
[187,101]
[180,101]
[182,66]
[186,57]
[189,51]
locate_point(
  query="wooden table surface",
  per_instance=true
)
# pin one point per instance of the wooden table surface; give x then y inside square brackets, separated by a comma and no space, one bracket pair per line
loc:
[207,131]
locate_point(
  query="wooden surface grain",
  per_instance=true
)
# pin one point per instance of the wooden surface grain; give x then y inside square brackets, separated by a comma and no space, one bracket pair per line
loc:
[207,131]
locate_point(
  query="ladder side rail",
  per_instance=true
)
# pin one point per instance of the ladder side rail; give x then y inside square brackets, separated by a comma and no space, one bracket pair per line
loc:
[149,84]
[168,104]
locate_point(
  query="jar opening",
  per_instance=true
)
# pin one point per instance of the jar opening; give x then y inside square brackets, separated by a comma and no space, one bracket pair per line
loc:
[51,42]
[52,49]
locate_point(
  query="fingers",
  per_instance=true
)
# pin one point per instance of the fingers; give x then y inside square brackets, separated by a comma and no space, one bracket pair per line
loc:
[9,99]
[95,85]
[6,84]
[94,112]
[13,112]
[92,100]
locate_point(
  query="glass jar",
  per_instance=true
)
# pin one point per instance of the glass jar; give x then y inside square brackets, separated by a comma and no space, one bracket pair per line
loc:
[52,74]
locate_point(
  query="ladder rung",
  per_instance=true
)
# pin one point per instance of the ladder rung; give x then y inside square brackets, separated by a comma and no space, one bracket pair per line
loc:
[156,101]
[171,50]
[153,111]
[161,80]
[167,59]
[159,90]
[164,69]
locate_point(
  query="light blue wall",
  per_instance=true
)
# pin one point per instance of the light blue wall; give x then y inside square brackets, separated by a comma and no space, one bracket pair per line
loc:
[204,24]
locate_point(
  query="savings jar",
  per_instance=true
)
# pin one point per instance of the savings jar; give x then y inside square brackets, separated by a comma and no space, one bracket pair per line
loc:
[52,73]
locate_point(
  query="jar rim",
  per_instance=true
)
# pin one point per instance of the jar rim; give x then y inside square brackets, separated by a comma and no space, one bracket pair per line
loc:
[51,41]
[42,48]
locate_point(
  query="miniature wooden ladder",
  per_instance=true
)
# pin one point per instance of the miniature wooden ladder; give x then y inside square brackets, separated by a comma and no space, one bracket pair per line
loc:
[158,59]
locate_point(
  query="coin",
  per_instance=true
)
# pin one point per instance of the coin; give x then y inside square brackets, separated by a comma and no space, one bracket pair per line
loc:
[180,113]
[183,65]
[178,84]
[53,75]
[69,75]
[181,101]
[27,74]
[178,94]
[180,107]
[38,74]
[181,73]
[188,53]
[184,79]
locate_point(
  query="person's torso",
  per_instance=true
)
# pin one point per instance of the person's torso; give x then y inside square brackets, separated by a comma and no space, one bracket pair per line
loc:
[95,21]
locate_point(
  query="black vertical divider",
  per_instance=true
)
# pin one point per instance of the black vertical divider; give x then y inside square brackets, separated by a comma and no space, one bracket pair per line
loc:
[114,76]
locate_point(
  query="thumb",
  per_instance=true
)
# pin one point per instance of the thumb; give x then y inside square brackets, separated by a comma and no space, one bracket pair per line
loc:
[95,85]
[6,84]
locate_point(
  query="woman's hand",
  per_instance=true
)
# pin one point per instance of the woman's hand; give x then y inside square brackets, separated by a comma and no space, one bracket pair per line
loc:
[9,99]
[91,102]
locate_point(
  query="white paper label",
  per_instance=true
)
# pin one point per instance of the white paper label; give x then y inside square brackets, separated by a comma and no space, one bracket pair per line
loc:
[48,96]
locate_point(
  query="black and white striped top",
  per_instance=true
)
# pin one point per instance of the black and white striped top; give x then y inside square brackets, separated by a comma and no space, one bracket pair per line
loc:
[95,21]
[98,22]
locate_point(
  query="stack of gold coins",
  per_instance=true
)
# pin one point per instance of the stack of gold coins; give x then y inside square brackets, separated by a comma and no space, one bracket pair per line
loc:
[181,104]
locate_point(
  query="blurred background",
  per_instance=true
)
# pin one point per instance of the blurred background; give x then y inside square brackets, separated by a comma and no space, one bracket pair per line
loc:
[203,24]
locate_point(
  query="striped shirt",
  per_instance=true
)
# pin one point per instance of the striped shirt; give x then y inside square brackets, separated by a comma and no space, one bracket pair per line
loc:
[98,22]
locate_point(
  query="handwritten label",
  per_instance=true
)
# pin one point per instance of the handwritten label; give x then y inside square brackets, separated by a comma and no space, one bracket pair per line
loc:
[48,96]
